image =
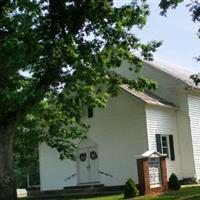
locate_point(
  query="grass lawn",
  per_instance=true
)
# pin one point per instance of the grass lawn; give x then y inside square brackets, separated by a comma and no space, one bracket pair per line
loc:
[186,193]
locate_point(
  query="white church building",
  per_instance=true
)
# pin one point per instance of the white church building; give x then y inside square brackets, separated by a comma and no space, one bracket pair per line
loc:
[166,120]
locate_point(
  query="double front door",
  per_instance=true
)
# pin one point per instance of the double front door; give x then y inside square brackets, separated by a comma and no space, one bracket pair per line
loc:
[88,165]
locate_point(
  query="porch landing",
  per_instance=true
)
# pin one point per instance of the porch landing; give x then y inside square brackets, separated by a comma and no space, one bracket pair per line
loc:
[77,191]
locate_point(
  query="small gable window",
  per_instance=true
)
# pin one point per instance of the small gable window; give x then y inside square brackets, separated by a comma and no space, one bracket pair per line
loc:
[90,112]
[165,145]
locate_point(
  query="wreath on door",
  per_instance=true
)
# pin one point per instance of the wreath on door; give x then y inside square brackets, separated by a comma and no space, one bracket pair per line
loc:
[82,157]
[93,155]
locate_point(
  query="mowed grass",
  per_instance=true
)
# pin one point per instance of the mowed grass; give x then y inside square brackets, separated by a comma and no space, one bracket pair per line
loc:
[186,193]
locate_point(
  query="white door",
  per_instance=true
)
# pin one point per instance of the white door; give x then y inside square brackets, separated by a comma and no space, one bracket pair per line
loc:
[94,164]
[87,160]
[83,166]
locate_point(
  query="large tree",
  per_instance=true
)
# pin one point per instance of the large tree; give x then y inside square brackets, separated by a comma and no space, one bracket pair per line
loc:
[53,55]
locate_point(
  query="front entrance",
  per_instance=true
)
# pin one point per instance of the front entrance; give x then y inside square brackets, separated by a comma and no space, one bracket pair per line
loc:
[88,165]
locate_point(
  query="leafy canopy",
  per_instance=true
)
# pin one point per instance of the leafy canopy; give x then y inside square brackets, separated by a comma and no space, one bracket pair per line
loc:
[55,54]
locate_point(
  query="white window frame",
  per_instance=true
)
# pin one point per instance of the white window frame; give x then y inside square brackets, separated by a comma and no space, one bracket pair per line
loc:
[168,147]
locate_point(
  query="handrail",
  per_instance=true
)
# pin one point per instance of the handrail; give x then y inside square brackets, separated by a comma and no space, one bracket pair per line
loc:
[106,174]
[69,177]
[100,172]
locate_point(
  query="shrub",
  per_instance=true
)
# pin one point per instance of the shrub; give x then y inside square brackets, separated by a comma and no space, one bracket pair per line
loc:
[174,183]
[130,189]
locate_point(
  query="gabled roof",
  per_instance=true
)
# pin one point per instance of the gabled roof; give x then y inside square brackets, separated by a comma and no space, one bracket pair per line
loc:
[178,72]
[152,154]
[148,97]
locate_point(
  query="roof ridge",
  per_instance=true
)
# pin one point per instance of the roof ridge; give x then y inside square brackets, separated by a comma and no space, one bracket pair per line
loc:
[162,69]
[174,71]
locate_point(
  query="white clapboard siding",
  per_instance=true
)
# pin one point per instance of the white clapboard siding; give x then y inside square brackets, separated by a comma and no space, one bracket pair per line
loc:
[120,133]
[166,83]
[55,173]
[194,113]
[184,135]
[185,144]
[163,121]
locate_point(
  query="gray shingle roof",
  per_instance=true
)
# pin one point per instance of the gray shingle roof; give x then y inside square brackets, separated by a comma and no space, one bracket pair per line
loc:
[148,97]
[176,71]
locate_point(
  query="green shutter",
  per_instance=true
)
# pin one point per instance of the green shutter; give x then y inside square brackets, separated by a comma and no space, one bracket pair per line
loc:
[171,145]
[158,143]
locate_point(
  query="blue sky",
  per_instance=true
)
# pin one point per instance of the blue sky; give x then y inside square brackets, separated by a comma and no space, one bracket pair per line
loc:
[178,33]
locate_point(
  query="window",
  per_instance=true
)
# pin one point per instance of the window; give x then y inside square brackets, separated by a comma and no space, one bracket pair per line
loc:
[77,101]
[90,112]
[165,145]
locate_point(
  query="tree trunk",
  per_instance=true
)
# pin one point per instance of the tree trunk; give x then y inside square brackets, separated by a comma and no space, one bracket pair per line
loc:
[7,177]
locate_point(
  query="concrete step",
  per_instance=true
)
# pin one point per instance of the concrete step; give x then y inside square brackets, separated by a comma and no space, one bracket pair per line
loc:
[73,195]
[78,192]
[94,188]
[78,187]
